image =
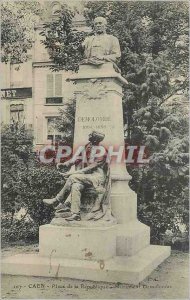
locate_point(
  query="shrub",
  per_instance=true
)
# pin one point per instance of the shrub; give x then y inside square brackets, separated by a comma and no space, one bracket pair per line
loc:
[25,183]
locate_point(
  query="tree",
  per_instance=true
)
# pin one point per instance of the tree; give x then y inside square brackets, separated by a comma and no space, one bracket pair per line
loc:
[16,152]
[62,41]
[17,29]
[66,121]
[162,186]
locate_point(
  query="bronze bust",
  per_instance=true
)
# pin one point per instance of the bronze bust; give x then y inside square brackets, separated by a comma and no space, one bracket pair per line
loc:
[101,47]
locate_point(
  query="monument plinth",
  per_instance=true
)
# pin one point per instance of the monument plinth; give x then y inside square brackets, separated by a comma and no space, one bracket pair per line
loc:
[117,253]
[98,92]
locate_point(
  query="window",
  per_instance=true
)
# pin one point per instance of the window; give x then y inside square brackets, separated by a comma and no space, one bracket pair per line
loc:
[54,89]
[53,133]
[17,113]
[57,100]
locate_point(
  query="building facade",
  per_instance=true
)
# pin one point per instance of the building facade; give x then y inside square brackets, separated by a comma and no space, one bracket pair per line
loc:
[16,94]
[32,94]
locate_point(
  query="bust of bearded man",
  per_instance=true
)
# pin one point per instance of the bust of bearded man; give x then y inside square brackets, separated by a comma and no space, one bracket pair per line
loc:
[101,47]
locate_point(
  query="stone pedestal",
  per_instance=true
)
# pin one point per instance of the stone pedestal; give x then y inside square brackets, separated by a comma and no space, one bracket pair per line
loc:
[92,243]
[118,253]
[98,92]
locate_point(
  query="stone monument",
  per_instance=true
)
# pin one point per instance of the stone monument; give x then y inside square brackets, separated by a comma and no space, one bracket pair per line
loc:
[114,249]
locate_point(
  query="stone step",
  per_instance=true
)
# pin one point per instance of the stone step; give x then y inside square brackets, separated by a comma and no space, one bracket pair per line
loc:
[121,269]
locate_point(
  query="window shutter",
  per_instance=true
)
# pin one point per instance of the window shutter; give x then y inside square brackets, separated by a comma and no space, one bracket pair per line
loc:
[58,85]
[50,85]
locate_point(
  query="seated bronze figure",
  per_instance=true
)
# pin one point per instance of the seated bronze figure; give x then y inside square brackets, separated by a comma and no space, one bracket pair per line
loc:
[89,180]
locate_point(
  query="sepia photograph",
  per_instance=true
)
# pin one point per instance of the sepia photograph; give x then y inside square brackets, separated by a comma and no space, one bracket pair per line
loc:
[94,149]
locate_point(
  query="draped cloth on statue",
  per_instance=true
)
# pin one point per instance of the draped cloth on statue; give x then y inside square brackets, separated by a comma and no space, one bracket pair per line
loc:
[96,181]
[101,183]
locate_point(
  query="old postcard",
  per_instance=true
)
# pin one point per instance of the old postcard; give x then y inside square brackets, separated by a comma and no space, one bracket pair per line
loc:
[94,154]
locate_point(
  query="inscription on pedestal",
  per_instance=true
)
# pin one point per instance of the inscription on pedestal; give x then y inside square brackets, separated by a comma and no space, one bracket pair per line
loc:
[95,123]
[101,115]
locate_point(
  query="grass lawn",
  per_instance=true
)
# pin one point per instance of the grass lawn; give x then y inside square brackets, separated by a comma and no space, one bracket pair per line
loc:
[167,281]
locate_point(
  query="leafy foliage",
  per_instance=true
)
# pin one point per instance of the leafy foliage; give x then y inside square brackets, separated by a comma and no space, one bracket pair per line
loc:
[17,29]
[162,186]
[66,121]
[25,183]
[62,41]
[16,152]
[25,230]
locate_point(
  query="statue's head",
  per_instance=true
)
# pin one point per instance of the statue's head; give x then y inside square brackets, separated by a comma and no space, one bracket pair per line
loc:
[96,137]
[100,24]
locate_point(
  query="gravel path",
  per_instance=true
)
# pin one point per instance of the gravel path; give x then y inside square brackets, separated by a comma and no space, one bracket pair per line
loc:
[168,281]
